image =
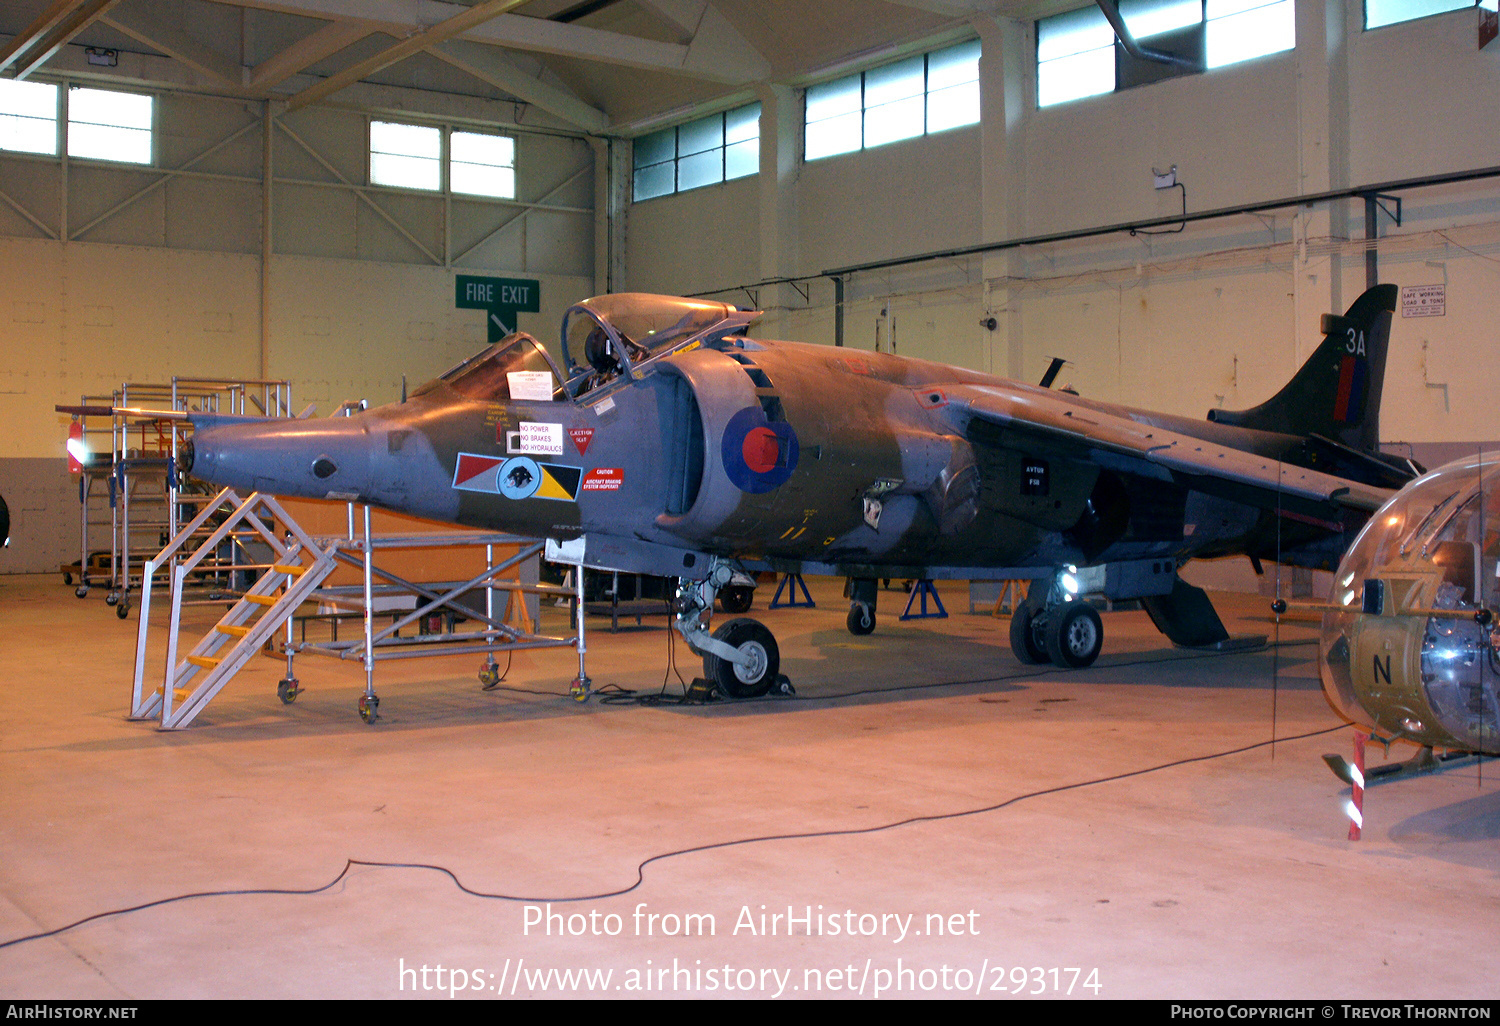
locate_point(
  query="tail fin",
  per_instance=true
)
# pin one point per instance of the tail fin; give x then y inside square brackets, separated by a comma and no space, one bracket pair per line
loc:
[1336,394]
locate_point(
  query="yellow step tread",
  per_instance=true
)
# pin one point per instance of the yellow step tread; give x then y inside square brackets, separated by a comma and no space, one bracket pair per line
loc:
[205,661]
[238,632]
[263,600]
[294,570]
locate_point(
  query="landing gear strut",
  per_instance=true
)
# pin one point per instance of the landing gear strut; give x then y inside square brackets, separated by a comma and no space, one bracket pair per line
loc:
[740,658]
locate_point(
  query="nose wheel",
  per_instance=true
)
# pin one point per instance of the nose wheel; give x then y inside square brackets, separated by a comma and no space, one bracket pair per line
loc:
[761,660]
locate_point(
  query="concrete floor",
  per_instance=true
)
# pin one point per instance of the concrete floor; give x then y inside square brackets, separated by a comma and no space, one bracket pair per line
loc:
[1203,874]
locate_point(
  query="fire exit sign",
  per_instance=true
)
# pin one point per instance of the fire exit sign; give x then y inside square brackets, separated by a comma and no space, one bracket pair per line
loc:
[503,298]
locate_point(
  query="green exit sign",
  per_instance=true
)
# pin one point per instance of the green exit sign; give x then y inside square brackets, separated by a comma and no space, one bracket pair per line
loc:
[503,298]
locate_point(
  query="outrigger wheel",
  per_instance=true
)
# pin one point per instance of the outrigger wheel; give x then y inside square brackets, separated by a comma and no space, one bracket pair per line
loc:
[763,660]
[861,619]
[736,598]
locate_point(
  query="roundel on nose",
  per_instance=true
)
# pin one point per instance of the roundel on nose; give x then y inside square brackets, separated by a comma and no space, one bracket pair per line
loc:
[759,454]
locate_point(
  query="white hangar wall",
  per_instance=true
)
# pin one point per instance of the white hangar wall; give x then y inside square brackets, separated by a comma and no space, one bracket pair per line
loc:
[1218,315]
[161,271]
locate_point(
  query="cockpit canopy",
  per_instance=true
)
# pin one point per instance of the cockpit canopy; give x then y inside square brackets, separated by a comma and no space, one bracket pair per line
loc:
[607,335]
[602,339]
[1446,524]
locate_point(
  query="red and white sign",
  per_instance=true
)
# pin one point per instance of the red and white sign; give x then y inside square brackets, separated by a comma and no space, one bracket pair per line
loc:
[581,438]
[604,479]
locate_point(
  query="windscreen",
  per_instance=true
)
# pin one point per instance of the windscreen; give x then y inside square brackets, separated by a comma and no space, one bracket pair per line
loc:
[513,369]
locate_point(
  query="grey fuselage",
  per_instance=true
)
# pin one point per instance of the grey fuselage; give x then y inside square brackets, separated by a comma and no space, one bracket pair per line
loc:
[778,454]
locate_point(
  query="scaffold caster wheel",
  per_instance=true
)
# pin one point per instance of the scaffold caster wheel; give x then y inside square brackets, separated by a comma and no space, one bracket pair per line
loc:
[369,708]
[287,690]
[579,689]
[67,578]
[122,610]
[82,591]
[111,598]
[489,676]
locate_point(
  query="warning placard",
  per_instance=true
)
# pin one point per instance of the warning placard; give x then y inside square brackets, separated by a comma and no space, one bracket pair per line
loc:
[604,479]
[1424,300]
[536,439]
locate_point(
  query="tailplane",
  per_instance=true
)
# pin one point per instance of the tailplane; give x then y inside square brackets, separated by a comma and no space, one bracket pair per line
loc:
[1336,394]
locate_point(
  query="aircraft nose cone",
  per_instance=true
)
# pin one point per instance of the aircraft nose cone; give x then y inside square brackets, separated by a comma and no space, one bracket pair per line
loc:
[323,459]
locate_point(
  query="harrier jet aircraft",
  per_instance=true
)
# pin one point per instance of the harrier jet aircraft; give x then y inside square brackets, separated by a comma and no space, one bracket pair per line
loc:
[671,442]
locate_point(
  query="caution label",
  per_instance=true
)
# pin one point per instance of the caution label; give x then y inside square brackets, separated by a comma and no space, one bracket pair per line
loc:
[604,479]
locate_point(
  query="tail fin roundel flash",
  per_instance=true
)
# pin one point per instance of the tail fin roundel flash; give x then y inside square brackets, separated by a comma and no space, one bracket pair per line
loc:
[1336,393]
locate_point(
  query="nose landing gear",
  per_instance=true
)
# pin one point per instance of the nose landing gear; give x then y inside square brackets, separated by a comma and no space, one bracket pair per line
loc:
[741,658]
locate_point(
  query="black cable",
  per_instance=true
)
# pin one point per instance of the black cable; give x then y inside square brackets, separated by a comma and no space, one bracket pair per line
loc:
[640,873]
[1168,231]
[1019,675]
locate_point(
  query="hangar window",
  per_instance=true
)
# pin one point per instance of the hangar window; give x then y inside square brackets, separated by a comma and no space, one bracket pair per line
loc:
[406,156]
[482,165]
[1379,13]
[106,125]
[28,117]
[916,96]
[1077,54]
[718,148]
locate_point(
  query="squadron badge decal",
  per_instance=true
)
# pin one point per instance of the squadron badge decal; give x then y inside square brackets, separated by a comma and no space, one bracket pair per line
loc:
[518,477]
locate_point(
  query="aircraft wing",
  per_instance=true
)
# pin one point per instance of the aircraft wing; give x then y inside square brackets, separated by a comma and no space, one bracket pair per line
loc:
[1119,442]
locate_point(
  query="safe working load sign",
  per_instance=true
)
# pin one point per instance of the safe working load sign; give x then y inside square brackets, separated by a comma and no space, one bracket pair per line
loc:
[502,298]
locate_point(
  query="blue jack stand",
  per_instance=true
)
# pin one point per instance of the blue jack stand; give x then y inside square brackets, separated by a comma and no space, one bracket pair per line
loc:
[795,581]
[923,589]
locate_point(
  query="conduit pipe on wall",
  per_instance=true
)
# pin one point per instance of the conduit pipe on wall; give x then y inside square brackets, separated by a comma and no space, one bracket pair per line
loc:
[1141,53]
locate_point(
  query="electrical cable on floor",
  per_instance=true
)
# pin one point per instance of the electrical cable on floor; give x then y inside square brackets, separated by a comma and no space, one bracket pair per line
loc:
[640,873]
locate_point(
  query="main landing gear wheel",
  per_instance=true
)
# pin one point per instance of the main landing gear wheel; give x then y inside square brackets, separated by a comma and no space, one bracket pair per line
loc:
[369,708]
[763,660]
[736,598]
[861,619]
[1025,635]
[1074,635]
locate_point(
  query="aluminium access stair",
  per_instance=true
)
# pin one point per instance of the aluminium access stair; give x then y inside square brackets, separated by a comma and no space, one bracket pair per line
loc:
[299,565]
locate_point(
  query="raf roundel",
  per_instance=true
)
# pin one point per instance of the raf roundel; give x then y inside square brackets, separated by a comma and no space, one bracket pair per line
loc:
[759,454]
